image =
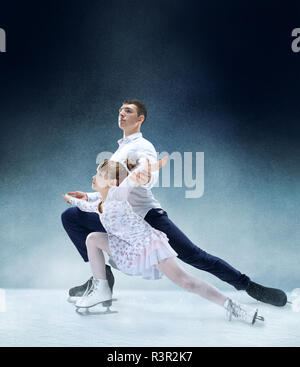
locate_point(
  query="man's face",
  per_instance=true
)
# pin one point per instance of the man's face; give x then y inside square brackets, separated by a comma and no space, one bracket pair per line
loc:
[128,117]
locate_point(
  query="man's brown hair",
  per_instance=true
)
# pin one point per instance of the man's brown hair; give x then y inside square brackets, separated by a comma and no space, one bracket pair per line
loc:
[140,106]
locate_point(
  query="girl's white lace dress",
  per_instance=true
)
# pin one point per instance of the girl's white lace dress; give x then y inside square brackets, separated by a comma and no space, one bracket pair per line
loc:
[135,246]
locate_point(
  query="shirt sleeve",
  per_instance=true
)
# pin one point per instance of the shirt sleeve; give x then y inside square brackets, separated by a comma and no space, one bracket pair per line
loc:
[93,196]
[140,157]
[122,191]
[154,176]
[84,205]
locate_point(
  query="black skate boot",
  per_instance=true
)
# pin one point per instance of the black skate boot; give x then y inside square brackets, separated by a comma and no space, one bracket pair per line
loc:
[272,296]
[77,292]
[111,281]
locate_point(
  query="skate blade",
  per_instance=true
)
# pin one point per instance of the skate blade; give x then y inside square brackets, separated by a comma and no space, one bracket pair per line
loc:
[257,317]
[109,303]
[254,317]
[106,304]
[89,312]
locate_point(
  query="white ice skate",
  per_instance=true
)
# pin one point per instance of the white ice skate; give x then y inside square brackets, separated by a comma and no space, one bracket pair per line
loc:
[98,293]
[241,312]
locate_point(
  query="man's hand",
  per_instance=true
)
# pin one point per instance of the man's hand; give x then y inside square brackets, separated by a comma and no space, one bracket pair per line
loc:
[143,177]
[79,195]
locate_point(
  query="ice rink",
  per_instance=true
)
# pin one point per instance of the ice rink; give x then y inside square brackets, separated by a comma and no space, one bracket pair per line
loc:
[144,318]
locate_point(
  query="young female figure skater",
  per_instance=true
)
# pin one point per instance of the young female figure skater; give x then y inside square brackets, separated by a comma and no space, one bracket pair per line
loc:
[134,247]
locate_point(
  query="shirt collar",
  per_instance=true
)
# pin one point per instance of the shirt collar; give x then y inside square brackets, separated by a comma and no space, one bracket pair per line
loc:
[130,138]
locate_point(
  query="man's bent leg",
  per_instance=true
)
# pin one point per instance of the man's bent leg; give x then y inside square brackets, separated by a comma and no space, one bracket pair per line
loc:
[79,225]
[192,254]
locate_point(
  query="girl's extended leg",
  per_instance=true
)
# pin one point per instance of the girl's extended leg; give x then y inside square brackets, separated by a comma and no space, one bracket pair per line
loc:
[96,242]
[178,275]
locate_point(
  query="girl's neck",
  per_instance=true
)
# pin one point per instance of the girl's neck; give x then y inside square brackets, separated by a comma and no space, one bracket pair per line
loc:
[103,193]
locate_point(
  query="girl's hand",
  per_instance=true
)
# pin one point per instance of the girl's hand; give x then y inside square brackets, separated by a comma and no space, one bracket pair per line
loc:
[143,177]
[79,195]
[66,197]
[157,165]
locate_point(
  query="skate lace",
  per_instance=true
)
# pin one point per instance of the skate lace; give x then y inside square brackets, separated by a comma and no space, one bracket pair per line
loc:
[94,286]
[89,289]
[236,310]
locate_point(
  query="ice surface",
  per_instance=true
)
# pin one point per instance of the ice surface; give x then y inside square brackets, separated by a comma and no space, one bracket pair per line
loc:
[295,299]
[144,318]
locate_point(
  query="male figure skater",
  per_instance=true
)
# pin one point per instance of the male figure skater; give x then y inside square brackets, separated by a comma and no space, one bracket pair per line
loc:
[79,224]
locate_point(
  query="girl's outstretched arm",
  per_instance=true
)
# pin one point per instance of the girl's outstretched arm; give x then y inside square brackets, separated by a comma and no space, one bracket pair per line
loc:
[83,205]
[140,175]
[136,178]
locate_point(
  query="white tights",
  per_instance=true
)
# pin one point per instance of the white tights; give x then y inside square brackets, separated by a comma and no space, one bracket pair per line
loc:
[96,242]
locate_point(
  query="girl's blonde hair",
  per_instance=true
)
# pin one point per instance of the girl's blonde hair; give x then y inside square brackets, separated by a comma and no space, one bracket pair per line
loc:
[116,170]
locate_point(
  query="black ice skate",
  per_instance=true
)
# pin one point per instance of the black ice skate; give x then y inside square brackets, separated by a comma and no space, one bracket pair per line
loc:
[272,296]
[77,292]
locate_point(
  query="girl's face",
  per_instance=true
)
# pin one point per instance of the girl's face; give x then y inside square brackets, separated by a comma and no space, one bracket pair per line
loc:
[99,181]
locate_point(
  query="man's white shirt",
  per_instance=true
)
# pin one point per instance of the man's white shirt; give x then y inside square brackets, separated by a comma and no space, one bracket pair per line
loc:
[140,198]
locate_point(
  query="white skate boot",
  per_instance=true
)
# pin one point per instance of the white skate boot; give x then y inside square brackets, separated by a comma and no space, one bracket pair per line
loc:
[99,293]
[241,312]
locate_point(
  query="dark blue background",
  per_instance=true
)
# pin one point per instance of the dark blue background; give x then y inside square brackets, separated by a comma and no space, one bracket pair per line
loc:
[218,78]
